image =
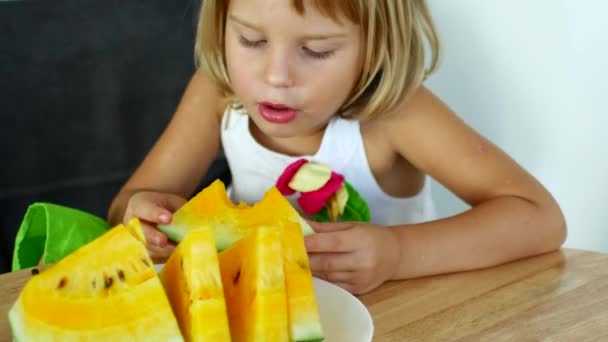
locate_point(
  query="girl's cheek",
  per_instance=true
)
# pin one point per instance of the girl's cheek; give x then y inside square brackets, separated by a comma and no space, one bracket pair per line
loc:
[242,82]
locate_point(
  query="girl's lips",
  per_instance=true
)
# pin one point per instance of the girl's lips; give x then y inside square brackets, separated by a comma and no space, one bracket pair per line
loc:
[276,113]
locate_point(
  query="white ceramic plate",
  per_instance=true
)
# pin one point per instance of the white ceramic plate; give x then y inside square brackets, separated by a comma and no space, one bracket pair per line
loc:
[343,316]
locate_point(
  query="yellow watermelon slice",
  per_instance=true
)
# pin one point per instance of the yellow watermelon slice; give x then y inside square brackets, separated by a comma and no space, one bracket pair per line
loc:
[230,222]
[192,280]
[107,290]
[254,287]
[303,313]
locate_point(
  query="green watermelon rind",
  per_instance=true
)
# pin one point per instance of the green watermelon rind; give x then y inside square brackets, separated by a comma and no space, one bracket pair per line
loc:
[306,228]
[314,333]
[225,235]
[174,232]
[307,330]
[15,321]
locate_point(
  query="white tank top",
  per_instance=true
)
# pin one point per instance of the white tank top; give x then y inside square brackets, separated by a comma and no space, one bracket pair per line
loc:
[255,169]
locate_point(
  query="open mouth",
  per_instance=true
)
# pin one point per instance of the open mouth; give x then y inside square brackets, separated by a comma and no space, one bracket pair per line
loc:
[276,112]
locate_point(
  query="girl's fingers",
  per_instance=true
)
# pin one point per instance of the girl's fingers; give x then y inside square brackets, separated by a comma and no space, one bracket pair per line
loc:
[154,236]
[332,262]
[153,207]
[171,202]
[323,227]
[160,255]
[336,277]
[151,213]
[331,242]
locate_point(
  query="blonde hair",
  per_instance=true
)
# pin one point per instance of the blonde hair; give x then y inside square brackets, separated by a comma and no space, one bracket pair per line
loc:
[395,33]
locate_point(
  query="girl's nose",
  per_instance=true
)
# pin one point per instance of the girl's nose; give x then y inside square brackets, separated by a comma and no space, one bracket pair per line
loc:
[278,72]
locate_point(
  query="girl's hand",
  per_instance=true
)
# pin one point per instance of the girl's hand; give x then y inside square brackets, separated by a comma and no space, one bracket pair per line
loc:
[153,208]
[355,256]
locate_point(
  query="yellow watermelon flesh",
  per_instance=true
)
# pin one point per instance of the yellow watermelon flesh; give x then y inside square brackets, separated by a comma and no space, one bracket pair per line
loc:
[303,313]
[254,287]
[230,222]
[107,290]
[192,280]
[274,207]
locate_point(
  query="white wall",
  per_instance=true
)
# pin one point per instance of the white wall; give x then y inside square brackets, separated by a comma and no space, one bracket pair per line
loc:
[532,76]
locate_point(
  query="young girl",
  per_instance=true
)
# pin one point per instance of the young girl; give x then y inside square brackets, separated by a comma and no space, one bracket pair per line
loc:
[340,82]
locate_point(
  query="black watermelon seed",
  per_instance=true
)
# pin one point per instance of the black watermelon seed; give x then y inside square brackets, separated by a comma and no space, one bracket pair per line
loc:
[62,283]
[236,278]
[35,271]
[109,282]
[121,275]
[302,264]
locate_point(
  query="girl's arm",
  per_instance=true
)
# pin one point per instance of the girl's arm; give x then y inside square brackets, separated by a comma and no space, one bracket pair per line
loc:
[512,215]
[180,157]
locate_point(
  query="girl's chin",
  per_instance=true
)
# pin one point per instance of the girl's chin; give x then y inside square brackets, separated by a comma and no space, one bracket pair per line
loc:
[284,130]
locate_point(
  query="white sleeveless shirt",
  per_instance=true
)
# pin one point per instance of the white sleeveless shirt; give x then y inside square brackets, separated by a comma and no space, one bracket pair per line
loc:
[255,169]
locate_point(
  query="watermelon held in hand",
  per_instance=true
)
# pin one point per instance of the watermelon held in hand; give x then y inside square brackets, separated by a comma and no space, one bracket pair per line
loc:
[230,222]
[107,290]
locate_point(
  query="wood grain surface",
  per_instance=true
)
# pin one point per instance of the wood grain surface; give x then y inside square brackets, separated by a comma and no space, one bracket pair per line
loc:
[561,296]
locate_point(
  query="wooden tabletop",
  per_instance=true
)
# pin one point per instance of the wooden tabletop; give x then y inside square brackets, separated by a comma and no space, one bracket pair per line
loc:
[561,296]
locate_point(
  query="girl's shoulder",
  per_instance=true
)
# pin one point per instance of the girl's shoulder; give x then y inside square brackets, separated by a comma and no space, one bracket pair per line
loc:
[409,114]
[420,102]
[413,130]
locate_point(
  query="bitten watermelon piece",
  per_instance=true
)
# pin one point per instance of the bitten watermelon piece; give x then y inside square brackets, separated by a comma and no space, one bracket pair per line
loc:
[107,290]
[230,222]
[192,280]
[254,287]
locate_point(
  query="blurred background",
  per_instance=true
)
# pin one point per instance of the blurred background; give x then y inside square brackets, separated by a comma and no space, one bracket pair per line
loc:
[86,87]
[533,77]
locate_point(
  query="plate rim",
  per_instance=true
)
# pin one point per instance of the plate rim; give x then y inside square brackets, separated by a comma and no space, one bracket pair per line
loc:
[368,316]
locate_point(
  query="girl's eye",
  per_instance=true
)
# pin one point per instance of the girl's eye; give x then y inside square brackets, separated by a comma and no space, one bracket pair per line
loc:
[316,54]
[250,43]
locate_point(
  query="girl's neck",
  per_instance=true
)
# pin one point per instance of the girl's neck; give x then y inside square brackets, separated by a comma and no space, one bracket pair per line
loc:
[300,145]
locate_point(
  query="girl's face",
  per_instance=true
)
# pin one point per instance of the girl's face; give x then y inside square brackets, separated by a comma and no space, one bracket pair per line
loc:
[290,72]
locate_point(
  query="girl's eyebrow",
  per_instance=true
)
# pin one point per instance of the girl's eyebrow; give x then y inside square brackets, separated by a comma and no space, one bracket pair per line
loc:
[244,23]
[307,37]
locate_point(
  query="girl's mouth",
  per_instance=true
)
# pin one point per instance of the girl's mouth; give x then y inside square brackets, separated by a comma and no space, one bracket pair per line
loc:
[276,112]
